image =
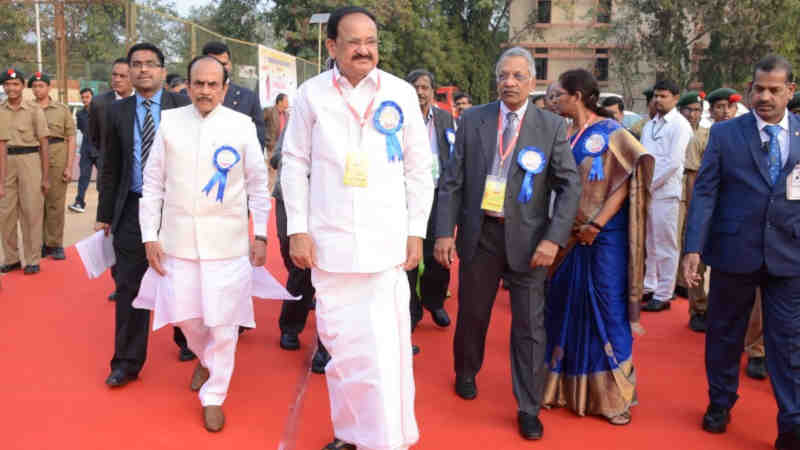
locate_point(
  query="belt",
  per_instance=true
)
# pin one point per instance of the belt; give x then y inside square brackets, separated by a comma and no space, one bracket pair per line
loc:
[55,140]
[500,220]
[22,150]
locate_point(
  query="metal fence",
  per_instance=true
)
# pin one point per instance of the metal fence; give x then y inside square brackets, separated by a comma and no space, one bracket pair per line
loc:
[95,33]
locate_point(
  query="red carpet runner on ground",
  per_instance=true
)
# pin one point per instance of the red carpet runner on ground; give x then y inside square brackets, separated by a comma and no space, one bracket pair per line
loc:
[56,339]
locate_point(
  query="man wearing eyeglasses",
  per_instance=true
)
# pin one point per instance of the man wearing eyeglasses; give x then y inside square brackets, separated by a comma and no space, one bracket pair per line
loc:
[131,127]
[665,136]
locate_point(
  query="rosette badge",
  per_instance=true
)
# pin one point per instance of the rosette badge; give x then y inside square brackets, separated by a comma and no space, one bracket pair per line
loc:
[594,147]
[388,120]
[532,161]
[225,157]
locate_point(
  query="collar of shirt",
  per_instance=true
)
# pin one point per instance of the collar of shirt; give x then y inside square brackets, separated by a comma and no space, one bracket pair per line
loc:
[504,110]
[196,114]
[784,123]
[429,117]
[23,105]
[155,99]
[668,117]
[344,83]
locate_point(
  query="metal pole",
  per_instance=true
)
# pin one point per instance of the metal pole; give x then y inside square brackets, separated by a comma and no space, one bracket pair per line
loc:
[319,47]
[38,38]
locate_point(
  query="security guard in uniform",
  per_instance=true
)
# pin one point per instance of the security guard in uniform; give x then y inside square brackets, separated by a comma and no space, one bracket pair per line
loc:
[27,175]
[61,158]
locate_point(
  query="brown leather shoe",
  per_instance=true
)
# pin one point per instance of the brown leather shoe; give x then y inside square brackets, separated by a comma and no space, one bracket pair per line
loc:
[213,418]
[199,377]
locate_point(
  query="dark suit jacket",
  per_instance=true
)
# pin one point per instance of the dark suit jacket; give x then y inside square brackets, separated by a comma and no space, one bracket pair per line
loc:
[246,102]
[115,179]
[737,221]
[82,123]
[98,111]
[442,120]
[461,189]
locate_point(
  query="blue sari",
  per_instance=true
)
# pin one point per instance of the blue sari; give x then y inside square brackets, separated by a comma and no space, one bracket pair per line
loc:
[589,340]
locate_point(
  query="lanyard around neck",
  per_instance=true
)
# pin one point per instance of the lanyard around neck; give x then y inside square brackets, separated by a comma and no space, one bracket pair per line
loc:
[361,121]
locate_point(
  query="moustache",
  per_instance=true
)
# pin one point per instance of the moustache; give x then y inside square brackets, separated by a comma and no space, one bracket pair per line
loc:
[364,57]
[204,99]
[509,91]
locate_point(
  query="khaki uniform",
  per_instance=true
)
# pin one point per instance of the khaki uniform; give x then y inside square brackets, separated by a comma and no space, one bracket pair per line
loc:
[23,182]
[62,128]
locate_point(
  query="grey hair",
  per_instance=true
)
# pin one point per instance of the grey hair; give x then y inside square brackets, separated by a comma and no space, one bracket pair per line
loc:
[516,51]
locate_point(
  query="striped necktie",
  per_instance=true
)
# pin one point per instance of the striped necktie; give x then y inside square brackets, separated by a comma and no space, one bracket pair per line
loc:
[148,131]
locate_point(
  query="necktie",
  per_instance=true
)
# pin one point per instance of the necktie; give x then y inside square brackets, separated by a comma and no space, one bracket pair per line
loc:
[511,128]
[148,131]
[774,152]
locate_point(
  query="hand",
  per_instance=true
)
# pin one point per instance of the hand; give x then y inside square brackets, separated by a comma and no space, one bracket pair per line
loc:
[45,185]
[637,329]
[413,252]
[445,251]
[586,234]
[690,263]
[155,254]
[302,251]
[545,254]
[258,253]
[67,175]
[103,226]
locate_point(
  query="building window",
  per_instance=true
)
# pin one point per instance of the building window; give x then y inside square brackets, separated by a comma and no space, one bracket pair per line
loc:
[540,51]
[541,68]
[601,68]
[604,11]
[543,11]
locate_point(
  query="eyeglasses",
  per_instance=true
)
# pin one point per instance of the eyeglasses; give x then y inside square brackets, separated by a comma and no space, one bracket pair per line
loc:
[521,78]
[142,64]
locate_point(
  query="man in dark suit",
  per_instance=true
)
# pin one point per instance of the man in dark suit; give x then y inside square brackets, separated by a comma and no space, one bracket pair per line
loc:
[238,98]
[435,277]
[744,221]
[501,211]
[131,127]
[98,112]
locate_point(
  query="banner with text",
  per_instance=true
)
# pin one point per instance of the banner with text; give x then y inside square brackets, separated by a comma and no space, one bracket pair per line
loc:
[277,74]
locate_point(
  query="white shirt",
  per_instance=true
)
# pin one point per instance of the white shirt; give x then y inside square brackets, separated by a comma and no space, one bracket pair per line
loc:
[504,110]
[175,210]
[666,138]
[355,229]
[783,136]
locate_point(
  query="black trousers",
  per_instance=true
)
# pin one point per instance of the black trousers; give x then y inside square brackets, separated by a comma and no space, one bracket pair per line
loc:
[86,162]
[131,324]
[479,279]
[432,285]
[294,314]
[730,301]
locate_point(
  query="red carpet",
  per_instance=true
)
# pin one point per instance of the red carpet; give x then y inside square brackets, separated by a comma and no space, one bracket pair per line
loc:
[56,339]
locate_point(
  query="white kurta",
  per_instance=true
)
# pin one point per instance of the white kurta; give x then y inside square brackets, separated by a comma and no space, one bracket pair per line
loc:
[360,234]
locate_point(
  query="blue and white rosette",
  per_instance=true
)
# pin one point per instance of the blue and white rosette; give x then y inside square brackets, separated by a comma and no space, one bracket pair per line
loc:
[388,119]
[450,134]
[532,161]
[225,157]
[594,146]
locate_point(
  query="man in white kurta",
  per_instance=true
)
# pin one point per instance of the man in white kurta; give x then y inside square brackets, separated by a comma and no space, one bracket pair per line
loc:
[204,169]
[359,225]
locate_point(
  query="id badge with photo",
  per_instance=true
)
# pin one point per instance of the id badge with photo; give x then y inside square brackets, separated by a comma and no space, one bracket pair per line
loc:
[493,194]
[356,169]
[793,184]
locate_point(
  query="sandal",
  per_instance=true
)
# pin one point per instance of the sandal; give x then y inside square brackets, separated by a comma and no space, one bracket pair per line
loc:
[622,419]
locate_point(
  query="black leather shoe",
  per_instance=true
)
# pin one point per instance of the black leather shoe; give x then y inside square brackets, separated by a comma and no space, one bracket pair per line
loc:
[698,323]
[789,440]
[530,427]
[757,368]
[320,360]
[45,251]
[415,350]
[57,253]
[184,354]
[339,445]
[466,387]
[31,269]
[647,297]
[290,341]
[681,291]
[9,267]
[112,296]
[655,306]
[119,378]
[440,317]
[716,419]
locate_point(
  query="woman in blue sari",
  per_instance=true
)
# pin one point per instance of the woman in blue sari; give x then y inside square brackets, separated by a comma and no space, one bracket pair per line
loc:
[592,300]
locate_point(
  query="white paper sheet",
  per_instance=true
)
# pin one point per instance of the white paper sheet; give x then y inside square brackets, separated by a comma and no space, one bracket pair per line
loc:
[97,253]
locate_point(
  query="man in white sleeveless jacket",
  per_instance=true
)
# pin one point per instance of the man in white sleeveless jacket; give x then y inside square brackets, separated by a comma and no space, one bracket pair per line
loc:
[204,170]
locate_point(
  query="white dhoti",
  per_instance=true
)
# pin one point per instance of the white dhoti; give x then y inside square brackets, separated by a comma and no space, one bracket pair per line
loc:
[661,244]
[364,322]
[208,300]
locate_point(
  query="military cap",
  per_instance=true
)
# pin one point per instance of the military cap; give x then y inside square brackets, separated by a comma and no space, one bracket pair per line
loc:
[794,103]
[38,76]
[723,94]
[691,97]
[648,94]
[12,74]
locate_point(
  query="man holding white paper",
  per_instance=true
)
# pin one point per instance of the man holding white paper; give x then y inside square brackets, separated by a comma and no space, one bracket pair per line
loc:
[204,170]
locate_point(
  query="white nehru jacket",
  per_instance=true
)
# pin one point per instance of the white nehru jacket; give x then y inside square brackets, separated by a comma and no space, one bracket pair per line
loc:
[355,229]
[192,224]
